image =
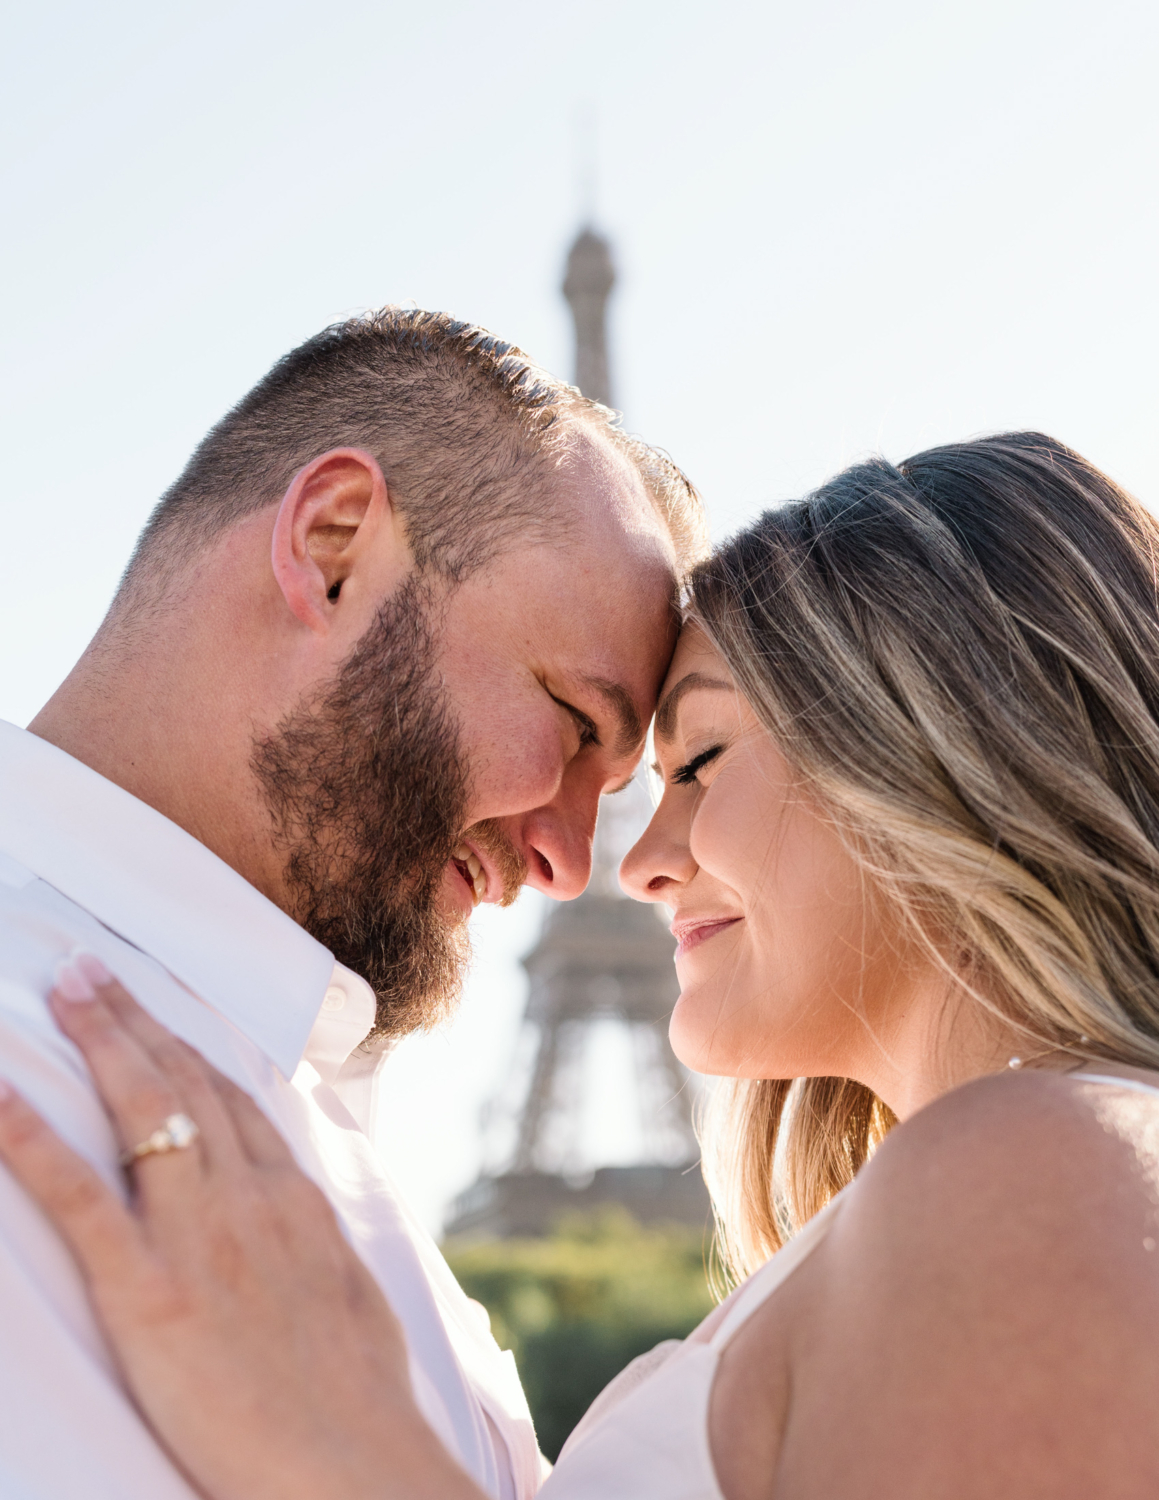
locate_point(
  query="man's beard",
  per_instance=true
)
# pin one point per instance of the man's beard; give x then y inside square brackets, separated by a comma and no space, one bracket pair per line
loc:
[367,787]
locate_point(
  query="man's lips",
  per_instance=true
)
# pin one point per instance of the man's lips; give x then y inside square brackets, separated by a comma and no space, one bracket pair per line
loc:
[458,888]
[690,932]
[477,873]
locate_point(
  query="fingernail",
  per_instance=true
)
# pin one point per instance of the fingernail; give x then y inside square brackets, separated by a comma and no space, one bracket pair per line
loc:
[72,982]
[90,965]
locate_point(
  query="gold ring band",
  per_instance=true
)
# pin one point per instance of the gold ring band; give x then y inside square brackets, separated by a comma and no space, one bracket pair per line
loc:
[177,1134]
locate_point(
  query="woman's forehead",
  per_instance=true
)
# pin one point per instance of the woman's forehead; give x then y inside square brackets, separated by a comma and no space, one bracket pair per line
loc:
[694,653]
[696,664]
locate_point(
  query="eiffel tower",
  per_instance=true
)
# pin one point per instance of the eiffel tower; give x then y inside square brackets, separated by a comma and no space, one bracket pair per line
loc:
[601,958]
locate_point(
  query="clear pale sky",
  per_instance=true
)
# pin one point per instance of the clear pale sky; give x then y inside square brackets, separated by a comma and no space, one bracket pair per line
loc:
[840,227]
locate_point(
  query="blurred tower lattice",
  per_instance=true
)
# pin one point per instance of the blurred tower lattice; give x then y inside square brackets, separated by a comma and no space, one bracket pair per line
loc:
[603,957]
[600,959]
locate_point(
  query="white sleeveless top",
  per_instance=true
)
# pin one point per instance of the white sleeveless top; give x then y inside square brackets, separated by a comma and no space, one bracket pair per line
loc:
[645,1437]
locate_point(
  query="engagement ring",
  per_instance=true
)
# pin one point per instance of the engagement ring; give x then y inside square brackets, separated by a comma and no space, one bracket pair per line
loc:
[177,1133]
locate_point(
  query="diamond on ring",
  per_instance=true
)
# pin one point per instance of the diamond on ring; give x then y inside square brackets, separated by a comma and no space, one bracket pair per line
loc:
[177,1133]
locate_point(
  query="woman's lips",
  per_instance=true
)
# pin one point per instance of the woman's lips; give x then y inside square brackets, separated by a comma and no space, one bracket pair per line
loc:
[690,932]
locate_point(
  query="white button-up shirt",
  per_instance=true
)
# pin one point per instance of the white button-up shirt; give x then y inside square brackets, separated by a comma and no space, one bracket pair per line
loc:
[85,865]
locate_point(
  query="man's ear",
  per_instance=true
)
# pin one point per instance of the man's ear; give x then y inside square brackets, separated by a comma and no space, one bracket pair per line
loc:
[329,532]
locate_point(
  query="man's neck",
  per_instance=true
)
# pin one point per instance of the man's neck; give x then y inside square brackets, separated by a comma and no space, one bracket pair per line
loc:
[147,726]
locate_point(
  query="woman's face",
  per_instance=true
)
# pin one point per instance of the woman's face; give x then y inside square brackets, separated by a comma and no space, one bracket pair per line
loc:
[786,956]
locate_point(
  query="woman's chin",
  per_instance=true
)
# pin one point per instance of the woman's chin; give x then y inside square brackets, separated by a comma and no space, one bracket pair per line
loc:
[711,1000]
[723,1027]
[697,1035]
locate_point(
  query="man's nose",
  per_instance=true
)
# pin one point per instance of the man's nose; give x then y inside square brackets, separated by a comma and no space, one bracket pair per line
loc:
[556,841]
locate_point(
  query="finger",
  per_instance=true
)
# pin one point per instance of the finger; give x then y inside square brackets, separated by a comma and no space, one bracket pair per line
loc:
[263,1143]
[191,1076]
[137,1094]
[157,1039]
[97,1227]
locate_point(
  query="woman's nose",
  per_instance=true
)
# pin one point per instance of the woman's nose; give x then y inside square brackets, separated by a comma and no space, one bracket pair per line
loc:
[657,862]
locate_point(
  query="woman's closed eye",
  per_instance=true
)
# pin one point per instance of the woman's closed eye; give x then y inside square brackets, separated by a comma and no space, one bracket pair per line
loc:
[685,775]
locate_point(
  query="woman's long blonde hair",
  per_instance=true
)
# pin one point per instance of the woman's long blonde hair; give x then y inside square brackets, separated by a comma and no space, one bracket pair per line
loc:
[960,656]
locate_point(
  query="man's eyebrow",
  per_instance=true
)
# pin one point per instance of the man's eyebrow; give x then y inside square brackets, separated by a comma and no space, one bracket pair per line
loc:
[619,699]
[666,713]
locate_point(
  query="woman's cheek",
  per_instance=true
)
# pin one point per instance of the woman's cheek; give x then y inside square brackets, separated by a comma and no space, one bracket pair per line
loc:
[720,837]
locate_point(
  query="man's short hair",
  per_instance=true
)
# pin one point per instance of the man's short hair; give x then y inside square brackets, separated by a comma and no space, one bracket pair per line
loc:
[465,427]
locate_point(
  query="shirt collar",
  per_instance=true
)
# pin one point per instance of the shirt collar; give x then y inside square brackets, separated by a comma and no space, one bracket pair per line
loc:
[343,1023]
[166,893]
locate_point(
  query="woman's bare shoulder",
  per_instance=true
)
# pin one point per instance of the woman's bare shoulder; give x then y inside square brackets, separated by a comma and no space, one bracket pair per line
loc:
[993,1273]
[1036,1173]
[1015,1139]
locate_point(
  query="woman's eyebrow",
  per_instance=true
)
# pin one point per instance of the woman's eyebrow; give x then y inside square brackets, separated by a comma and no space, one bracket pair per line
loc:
[666,713]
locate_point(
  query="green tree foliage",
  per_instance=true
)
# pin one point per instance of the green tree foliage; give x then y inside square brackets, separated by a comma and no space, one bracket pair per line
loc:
[576,1307]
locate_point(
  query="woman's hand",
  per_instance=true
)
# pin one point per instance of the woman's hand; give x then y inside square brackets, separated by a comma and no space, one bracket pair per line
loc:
[251,1336]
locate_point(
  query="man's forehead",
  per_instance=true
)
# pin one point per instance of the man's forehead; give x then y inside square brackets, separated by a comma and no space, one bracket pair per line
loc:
[618,620]
[625,683]
[607,595]
[603,487]
[598,600]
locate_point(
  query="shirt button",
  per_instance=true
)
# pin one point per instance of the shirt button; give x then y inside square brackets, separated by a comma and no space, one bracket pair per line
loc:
[335,999]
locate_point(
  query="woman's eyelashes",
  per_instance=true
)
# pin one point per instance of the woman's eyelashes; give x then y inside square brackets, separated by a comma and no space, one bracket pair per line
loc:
[685,775]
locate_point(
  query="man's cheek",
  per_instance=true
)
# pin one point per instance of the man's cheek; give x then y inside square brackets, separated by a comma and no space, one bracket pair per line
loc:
[523,770]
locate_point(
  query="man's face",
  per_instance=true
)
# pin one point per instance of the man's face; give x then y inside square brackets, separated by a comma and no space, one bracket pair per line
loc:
[463,746]
[551,660]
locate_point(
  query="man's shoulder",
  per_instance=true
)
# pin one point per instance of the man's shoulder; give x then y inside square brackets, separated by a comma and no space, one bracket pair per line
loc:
[38,927]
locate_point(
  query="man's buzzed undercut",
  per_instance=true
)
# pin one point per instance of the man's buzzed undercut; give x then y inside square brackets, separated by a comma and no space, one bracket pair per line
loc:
[466,428]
